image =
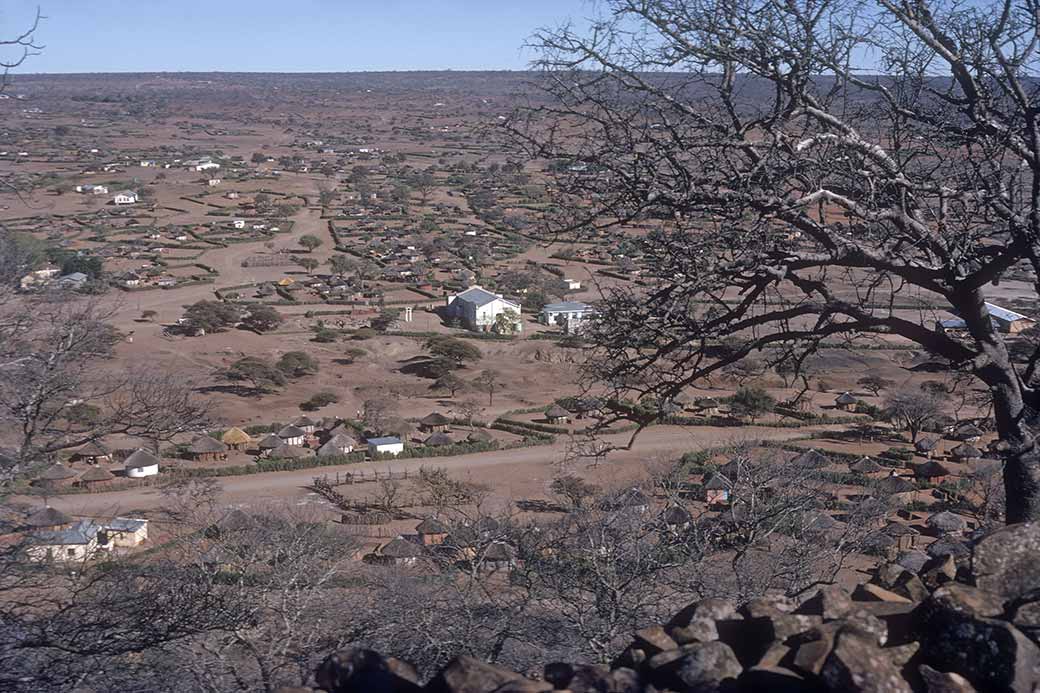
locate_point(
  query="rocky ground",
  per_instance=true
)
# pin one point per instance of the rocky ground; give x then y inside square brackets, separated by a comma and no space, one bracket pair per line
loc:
[956,625]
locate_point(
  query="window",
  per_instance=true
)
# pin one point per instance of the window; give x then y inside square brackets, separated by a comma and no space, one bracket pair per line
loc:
[71,553]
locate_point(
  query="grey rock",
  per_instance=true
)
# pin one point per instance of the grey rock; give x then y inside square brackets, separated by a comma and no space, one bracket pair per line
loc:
[355,669]
[944,681]
[856,664]
[1005,561]
[710,667]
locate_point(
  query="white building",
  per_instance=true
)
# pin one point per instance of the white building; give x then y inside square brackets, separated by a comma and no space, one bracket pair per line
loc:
[141,464]
[125,197]
[478,308]
[92,189]
[569,314]
[239,223]
[572,284]
[83,539]
[385,446]
[213,182]
[203,164]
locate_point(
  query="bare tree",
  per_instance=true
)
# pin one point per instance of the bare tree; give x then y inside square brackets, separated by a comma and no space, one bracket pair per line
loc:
[782,167]
[914,408]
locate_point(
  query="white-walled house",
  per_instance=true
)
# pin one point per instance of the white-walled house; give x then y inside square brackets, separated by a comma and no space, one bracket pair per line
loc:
[213,182]
[572,284]
[389,445]
[125,197]
[569,314]
[478,308]
[84,539]
[141,464]
[91,189]
[239,223]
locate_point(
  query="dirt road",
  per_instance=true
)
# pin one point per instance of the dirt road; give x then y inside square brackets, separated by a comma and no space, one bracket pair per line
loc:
[513,472]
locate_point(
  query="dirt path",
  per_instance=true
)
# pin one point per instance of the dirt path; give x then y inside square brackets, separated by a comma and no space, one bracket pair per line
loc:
[507,469]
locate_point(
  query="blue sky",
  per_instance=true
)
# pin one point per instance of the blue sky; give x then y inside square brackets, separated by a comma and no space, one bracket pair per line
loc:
[284,35]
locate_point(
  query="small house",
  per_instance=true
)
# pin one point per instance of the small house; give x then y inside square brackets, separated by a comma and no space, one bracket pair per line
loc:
[717,490]
[57,475]
[708,406]
[388,445]
[628,499]
[213,182]
[77,542]
[125,197]
[845,401]
[499,556]
[572,284]
[92,453]
[945,522]
[926,446]
[810,459]
[398,551]
[570,315]
[124,532]
[557,415]
[292,435]
[931,472]
[867,467]
[269,443]
[337,446]
[431,532]
[141,464]
[434,422]
[238,223]
[438,440]
[236,438]
[306,424]
[479,436]
[478,309]
[207,449]
[96,478]
[965,452]
[894,485]
[290,452]
[968,433]
[1002,319]
[47,518]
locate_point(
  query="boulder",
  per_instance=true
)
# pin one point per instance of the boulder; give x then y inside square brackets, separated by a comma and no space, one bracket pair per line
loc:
[829,602]
[857,664]
[938,571]
[355,669]
[1004,562]
[699,668]
[944,681]
[653,640]
[470,675]
[774,679]
[875,593]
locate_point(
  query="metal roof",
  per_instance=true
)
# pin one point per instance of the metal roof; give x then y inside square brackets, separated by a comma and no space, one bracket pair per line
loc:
[567,307]
[388,440]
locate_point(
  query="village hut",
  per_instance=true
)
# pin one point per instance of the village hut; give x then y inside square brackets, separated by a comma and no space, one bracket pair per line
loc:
[236,438]
[926,446]
[965,452]
[337,446]
[846,401]
[905,535]
[141,464]
[432,423]
[92,453]
[292,435]
[676,517]
[708,406]
[306,424]
[968,433]
[398,551]
[867,467]
[48,518]
[290,452]
[717,490]
[269,443]
[810,459]
[479,436]
[557,415]
[96,477]
[945,522]
[207,449]
[587,406]
[499,556]
[931,472]
[56,475]
[894,485]
[438,440]
[431,531]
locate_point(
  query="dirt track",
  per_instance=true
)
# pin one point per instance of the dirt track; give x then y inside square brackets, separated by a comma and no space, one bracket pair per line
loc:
[515,473]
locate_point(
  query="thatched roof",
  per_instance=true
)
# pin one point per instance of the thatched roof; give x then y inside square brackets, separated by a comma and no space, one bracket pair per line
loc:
[556,412]
[967,432]
[431,525]
[926,444]
[946,521]
[810,459]
[628,498]
[92,449]
[865,465]
[97,474]
[707,403]
[235,436]
[48,517]
[140,458]
[845,398]
[439,440]
[966,451]
[206,444]
[435,419]
[304,421]
[718,482]
[898,529]
[270,442]
[930,470]
[290,452]
[292,432]
[400,548]
[337,445]
[895,484]
[56,472]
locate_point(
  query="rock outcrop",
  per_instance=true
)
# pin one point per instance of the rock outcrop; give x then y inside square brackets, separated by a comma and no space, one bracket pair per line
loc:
[957,625]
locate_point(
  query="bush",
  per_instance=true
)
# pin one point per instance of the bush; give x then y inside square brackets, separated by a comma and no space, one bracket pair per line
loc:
[363,333]
[324,335]
[319,400]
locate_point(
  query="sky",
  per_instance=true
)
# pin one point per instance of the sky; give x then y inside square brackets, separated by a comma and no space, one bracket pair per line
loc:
[283,35]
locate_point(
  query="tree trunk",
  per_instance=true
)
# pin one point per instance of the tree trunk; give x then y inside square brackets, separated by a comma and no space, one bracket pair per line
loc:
[1015,423]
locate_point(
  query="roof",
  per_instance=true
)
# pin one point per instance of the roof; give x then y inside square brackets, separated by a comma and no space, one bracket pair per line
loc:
[82,532]
[126,524]
[56,472]
[385,440]
[305,421]
[431,525]
[291,432]
[47,517]
[336,445]
[435,419]
[895,484]
[557,412]
[968,431]
[92,449]
[140,459]
[947,522]
[1005,314]
[479,436]
[499,551]
[204,444]
[400,548]
[567,307]
[628,498]
[478,296]
[269,442]
[717,482]
[235,436]
[926,444]
[845,398]
[97,474]
[865,465]
[290,452]
[438,439]
[811,459]
[966,450]
[931,469]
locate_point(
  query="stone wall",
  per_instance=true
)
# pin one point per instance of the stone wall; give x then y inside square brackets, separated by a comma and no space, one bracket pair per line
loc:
[958,624]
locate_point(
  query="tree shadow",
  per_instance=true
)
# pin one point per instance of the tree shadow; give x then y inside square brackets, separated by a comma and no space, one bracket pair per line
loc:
[237,390]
